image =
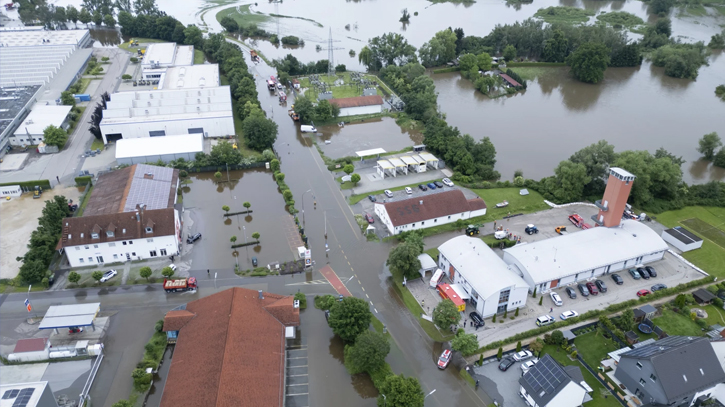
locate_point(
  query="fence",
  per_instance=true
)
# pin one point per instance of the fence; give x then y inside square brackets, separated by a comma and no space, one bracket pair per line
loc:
[91,377]
[603,382]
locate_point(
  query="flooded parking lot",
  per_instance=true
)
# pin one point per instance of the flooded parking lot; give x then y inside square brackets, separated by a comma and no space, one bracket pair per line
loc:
[204,198]
[380,132]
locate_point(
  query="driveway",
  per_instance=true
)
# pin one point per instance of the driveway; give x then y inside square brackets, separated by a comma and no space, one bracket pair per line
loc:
[503,387]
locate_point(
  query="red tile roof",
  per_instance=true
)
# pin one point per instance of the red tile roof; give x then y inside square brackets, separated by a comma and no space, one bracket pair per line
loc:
[510,80]
[357,101]
[175,320]
[30,345]
[232,352]
[433,206]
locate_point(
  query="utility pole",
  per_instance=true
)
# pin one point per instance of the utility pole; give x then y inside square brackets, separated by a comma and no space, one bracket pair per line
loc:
[330,55]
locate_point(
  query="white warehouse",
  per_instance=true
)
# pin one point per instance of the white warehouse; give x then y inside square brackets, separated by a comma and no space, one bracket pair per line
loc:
[359,105]
[150,150]
[30,131]
[156,113]
[585,255]
[492,286]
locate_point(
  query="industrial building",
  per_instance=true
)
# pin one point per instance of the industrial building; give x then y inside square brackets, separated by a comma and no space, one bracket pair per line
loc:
[190,77]
[682,239]
[405,164]
[428,211]
[159,56]
[154,149]
[30,131]
[487,283]
[155,113]
[359,105]
[31,394]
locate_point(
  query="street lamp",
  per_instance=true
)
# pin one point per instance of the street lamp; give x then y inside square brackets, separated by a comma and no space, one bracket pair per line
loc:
[434,390]
[385,400]
[303,205]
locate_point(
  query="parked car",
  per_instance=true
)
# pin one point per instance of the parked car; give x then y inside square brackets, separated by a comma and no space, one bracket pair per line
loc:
[431,185]
[526,366]
[172,266]
[423,187]
[408,190]
[388,193]
[651,271]
[570,292]
[193,238]
[438,184]
[369,218]
[447,182]
[523,355]
[583,290]
[617,279]
[635,275]
[476,320]
[593,290]
[643,273]
[75,330]
[444,359]
[601,286]
[557,300]
[658,287]
[545,320]
[108,275]
[372,198]
[569,314]
[254,261]
[505,364]
[642,293]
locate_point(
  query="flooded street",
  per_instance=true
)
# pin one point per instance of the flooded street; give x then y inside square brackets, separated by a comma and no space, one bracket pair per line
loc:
[204,197]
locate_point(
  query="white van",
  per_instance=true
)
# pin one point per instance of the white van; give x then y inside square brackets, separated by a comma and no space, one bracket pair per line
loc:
[545,320]
[308,129]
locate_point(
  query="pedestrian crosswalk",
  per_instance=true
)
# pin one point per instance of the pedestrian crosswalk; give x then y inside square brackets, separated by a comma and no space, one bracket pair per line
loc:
[313,282]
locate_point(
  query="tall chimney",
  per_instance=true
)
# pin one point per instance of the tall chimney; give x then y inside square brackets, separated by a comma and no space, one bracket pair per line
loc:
[261,296]
[614,201]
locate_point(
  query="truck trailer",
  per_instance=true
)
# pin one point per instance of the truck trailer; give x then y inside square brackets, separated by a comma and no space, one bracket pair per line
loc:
[180,284]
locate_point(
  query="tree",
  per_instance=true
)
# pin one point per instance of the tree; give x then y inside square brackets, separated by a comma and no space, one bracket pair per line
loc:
[255,235]
[225,208]
[365,57]
[279,176]
[167,272]
[717,41]
[66,98]
[349,318]
[72,14]
[465,343]
[368,354]
[55,136]
[557,337]
[247,205]
[509,53]
[595,158]
[224,153]
[233,239]
[390,49]
[84,16]
[556,48]
[193,36]
[348,169]
[324,111]
[518,345]
[536,346]
[499,354]
[708,144]
[401,391]
[97,275]
[74,277]
[403,260]
[657,178]
[355,178]
[625,322]
[719,159]
[59,15]
[218,175]
[405,16]
[445,314]
[109,21]
[274,165]
[439,50]
[259,131]
[145,272]
[484,61]
[229,24]
[589,62]
[570,181]
[468,62]
[97,18]
[304,107]
[664,26]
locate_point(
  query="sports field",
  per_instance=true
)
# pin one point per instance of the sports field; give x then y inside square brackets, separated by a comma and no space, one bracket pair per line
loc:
[706,230]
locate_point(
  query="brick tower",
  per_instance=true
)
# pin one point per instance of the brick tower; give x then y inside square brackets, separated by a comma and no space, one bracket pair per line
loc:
[614,202]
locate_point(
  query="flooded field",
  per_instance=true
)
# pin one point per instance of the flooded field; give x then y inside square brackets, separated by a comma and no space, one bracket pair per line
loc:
[374,133]
[204,197]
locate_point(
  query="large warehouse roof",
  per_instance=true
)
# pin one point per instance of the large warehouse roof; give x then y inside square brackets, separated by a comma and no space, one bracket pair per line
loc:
[481,267]
[195,76]
[562,256]
[64,316]
[139,147]
[42,116]
[36,37]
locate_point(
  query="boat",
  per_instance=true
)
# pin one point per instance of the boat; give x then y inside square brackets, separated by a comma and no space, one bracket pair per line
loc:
[502,204]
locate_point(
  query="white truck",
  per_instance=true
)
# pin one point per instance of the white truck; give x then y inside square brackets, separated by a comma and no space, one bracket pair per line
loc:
[308,129]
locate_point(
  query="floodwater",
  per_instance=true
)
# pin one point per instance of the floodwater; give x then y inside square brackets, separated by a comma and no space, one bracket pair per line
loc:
[380,132]
[633,108]
[205,198]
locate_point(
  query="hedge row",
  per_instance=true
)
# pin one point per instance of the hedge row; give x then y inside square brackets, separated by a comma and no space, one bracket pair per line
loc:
[596,313]
[446,70]
[43,183]
[84,180]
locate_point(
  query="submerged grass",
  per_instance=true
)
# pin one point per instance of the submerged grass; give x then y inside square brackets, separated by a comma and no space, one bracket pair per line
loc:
[564,15]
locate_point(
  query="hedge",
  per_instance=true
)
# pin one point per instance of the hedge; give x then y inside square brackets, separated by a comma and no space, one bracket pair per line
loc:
[446,70]
[84,180]
[597,313]
[43,183]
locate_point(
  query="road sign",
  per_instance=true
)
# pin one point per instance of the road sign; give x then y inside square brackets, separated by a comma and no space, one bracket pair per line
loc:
[28,306]
[308,258]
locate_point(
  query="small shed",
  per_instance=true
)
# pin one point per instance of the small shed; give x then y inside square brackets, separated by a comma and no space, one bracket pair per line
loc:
[631,337]
[569,336]
[703,296]
[426,264]
[646,311]
[682,239]
[30,350]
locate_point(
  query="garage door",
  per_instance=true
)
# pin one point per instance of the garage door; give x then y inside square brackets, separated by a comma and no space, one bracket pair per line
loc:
[554,284]
[567,280]
[652,257]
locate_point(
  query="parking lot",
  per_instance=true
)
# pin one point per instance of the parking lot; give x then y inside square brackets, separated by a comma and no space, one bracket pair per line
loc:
[501,386]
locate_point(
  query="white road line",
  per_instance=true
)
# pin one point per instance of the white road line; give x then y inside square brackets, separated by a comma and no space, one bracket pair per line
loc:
[371,304]
[297,375]
[303,384]
[298,394]
[301,357]
[376,310]
[295,367]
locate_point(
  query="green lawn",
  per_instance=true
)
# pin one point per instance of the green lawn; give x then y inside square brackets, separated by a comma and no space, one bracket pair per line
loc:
[564,15]
[676,324]
[344,185]
[433,252]
[710,257]
[715,315]
[82,208]
[73,126]
[199,57]
[529,73]
[599,393]
[533,202]
[243,16]
[97,144]
[349,89]
[593,348]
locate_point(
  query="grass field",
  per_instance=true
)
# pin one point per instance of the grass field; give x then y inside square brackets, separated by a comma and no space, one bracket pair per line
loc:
[199,57]
[593,348]
[97,144]
[564,15]
[705,229]
[620,18]
[715,315]
[243,16]
[599,393]
[349,89]
[530,73]
[677,324]
[711,256]
[532,202]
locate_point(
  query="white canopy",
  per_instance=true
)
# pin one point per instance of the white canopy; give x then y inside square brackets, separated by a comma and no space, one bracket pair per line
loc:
[367,153]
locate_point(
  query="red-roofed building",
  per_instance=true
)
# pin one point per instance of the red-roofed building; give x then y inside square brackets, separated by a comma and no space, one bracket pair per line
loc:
[29,350]
[359,105]
[230,350]
[509,80]
[428,211]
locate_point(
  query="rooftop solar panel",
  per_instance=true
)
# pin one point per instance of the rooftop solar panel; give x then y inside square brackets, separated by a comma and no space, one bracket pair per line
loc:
[661,346]
[10,394]
[23,397]
[545,376]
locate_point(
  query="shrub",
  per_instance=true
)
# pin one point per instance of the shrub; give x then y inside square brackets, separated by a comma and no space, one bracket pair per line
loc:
[574,354]
[541,300]
[702,323]
[159,327]
[499,355]
[518,346]
[302,299]
[494,318]
[717,302]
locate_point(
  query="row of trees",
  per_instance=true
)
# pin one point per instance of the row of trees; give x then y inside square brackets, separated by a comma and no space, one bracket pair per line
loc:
[323,112]
[41,246]
[252,30]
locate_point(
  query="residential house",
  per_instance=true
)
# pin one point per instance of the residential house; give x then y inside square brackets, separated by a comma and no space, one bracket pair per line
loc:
[549,384]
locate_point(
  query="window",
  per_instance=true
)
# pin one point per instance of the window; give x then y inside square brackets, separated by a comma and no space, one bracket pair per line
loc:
[639,366]
[157,133]
[414,225]
[109,233]
[95,246]
[115,257]
[642,382]
[80,260]
[90,259]
[130,242]
[653,377]
[152,253]
[124,243]
[94,235]
[78,248]
[149,240]
[449,216]
[422,223]
[149,230]
[435,220]
[86,247]
[196,130]
[133,253]
[111,245]
[163,252]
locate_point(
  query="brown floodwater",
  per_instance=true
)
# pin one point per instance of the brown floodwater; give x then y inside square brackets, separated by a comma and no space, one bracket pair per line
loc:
[633,108]
[205,198]
[380,132]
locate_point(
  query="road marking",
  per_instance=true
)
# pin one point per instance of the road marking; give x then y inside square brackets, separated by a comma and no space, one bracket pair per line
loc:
[367,296]
[297,375]
[301,384]
[376,310]
[348,262]
[353,270]
[301,357]
[371,304]
[313,282]
[295,367]
[297,394]
[361,286]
